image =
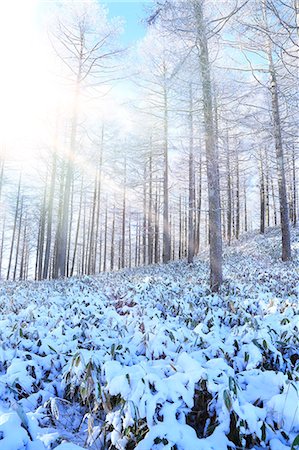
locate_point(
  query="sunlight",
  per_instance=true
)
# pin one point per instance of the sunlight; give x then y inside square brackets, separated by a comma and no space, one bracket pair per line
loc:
[31,89]
[18,77]
[28,90]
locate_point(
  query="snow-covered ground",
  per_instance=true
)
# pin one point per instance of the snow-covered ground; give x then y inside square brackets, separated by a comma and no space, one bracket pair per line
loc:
[150,359]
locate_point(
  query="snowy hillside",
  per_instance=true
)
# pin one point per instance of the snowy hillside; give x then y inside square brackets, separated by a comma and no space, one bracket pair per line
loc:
[149,359]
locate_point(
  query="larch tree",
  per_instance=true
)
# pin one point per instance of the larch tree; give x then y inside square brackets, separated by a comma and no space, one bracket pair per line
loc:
[84,40]
[188,20]
[280,158]
[266,37]
[155,79]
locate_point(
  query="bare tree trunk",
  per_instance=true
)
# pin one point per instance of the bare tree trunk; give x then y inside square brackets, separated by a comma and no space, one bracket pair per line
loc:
[100,238]
[136,243]
[105,238]
[130,242]
[139,242]
[59,223]
[185,229]
[294,187]
[157,228]
[70,228]
[282,190]
[63,237]
[150,237]
[191,205]
[173,246]
[88,242]
[41,239]
[267,189]
[207,229]
[84,237]
[180,228]
[224,213]
[14,230]
[245,208]
[123,232]
[274,202]
[50,217]
[22,275]
[92,240]
[283,201]
[119,253]
[144,215]
[2,247]
[262,197]
[27,256]
[77,231]
[99,193]
[211,154]
[112,251]
[237,195]
[18,239]
[199,201]
[229,192]
[166,230]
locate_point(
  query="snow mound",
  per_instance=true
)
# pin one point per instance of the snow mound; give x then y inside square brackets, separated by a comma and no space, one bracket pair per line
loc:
[150,359]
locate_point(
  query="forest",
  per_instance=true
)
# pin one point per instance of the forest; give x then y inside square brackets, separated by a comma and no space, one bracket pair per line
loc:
[149,242]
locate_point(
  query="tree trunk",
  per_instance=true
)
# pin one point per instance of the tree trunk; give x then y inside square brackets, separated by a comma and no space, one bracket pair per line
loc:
[191,201]
[150,237]
[294,187]
[99,192]
[245,209]
[63,237]
[22,275]
[199,201]
[2,246]
[262,197]
[166,230]
[180,229]
[229,192]
[50,217]
[105,238]
[77,231]
[70,228]
[59,224]
[157,228]
[211,154]
[92,240]
[144,215]
[14,230]
[274,202]
[18,239]
[123,229]
[112,250]
[282,190]
[237,194]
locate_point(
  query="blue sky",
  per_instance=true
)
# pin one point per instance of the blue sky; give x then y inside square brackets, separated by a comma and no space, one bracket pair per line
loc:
[133,12]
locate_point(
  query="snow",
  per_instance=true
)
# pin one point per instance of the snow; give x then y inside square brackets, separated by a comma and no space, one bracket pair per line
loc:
[13,436]
[285,408]
[150,359]
[68,446]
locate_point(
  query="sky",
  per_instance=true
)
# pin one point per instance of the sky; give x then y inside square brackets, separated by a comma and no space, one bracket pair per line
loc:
[133,13]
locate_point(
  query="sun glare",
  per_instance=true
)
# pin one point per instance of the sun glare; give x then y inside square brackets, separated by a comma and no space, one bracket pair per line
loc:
[28,89]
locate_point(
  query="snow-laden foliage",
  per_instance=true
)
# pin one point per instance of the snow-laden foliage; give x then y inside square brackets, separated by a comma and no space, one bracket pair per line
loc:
[150,359]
